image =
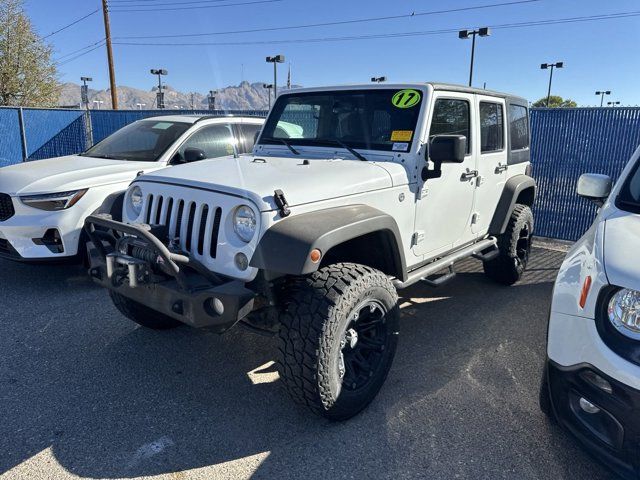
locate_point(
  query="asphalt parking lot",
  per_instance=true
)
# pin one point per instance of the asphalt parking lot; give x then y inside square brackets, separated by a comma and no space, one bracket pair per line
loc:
[85,392]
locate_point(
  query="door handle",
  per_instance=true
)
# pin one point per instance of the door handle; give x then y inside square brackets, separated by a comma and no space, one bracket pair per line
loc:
[501,168]
[468,175]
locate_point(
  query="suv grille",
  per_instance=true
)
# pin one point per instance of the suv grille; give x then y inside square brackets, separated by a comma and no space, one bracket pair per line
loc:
[6,207]
[196,225]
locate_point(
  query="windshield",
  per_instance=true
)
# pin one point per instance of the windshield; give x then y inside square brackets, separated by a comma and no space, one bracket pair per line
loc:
[375,119]
[142,141]
[629,197]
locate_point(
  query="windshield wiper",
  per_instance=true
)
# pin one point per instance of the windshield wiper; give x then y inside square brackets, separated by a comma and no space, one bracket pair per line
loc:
[353,151]
[285,143]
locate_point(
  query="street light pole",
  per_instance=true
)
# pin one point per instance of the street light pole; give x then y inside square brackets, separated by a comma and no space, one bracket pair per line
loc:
[551,66]
[268,86]
[613,104]
[275,59]
[84,91]
[160,97]
[602,94]
[465,34]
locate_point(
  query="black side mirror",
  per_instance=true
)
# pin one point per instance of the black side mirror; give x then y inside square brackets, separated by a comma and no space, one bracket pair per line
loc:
[443,149]
[193,155]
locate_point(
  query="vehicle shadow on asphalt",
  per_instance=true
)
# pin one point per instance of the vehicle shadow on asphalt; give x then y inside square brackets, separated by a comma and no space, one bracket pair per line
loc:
[113,400]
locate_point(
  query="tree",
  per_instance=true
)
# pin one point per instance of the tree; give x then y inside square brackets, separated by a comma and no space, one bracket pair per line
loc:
[28,75]
[555,101]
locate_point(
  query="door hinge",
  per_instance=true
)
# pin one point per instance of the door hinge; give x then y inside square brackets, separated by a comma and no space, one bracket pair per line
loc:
[423,192]
[475,218]
[417,238]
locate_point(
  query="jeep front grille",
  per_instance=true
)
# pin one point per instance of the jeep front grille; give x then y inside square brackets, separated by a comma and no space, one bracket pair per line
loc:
[6,207]
[196,225]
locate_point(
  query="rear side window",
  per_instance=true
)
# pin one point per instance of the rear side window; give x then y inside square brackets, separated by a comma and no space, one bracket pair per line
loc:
[491,127]
[518,127]
[451,117]
[213,140]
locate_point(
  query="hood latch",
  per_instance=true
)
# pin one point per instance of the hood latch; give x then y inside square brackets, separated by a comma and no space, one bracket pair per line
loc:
[282,204]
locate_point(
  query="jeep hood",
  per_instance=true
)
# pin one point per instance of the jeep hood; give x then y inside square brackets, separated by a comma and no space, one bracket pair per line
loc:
[622,249]
[301,180]
[62,174]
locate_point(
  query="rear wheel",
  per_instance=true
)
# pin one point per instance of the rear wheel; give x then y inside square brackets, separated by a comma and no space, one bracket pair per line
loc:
[514,247]
[338,339]
[141,314]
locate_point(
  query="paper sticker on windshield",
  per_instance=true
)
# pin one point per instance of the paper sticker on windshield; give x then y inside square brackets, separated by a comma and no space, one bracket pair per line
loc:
[406,98]
[401,135]
[400,147]
[162,125]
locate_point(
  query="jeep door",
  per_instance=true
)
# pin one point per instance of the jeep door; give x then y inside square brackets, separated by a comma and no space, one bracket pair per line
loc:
[491,132]
[444,205]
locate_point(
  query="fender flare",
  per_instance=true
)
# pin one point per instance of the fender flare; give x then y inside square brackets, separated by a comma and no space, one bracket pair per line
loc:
[512,189]
[285,247]
[113,205]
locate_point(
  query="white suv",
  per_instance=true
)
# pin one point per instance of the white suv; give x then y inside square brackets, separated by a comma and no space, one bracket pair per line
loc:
[591,381]
[351,193]
[43,204]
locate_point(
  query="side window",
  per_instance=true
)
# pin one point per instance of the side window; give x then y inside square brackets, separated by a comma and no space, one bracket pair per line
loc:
[491,127]
[214,141]
[248,132]
[451,117]
[518,127]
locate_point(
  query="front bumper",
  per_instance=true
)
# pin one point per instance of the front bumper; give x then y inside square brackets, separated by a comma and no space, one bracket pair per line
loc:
[576,354]
[611,434]
[167,282]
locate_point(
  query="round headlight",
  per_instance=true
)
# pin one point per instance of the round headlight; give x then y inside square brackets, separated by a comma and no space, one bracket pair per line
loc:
[624,312]
[135,200]
[244,223]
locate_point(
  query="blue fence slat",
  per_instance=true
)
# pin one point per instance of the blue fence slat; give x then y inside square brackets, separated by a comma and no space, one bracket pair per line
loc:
[105,122]
[566,143]
[54,133]
[10,140]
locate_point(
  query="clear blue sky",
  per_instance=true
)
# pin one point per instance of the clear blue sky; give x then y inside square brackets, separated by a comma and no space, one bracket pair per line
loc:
[598,55]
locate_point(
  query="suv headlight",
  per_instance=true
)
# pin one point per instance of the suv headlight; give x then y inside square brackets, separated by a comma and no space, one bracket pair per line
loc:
[244,222]
[623,310]
[135,200]
[54,201]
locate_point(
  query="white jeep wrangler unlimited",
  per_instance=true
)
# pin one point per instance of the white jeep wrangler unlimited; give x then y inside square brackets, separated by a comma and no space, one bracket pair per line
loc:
[351,193]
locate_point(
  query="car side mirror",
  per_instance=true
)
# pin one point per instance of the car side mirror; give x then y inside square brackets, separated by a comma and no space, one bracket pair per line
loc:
[192,154]
[444,149]
[594,187]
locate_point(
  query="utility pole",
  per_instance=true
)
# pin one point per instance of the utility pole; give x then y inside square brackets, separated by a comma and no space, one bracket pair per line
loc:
[112,72]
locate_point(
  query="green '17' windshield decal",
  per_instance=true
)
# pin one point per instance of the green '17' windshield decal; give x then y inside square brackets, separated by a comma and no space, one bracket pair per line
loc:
[405,98]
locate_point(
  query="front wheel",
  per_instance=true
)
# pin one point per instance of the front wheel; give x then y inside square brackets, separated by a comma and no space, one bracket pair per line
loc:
[514,247]
[338,337]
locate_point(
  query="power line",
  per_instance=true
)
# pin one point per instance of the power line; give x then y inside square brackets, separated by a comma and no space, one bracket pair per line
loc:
[152,5]
[72,23]
[80,55]
[340,22]
[80,49]
[153,9]
[396,34]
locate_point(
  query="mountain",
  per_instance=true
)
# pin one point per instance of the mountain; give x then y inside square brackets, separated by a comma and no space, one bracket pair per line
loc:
[246,96]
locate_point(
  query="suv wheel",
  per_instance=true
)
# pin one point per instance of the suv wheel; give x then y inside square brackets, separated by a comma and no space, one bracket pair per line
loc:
[514,246]
[141,314]
[338,338]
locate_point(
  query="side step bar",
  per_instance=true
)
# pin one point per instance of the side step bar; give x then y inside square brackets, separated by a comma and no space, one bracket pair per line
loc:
[474,250]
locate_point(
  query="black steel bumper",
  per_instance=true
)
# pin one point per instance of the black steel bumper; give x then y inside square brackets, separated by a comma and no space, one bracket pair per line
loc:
[612,434]
[167,282]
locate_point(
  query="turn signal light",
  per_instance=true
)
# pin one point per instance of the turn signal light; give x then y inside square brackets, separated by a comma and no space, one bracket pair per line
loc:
[586,286]
[315,255]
